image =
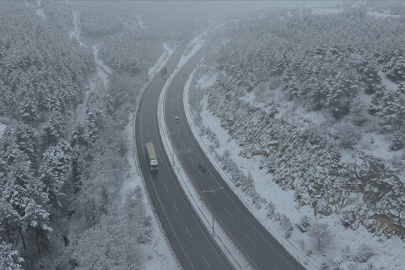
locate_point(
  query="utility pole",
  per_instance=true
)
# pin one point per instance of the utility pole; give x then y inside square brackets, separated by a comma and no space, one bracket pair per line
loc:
[213,220]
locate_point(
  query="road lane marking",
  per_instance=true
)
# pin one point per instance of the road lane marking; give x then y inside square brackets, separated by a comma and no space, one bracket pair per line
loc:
[191,159]
[148,132]
[184,145]
[207,262]
[275,267]
[200,173]
[178,210]
[188,231]
[250,240]
[228,213]
[212,192]
[165,186]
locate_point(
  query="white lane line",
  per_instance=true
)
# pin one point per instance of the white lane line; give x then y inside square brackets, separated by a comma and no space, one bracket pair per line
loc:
[178,210]
[207,262]
[212,192]
[191,159]
[200,173]
[184,145]
[275,267]
[188,231]
[250,240]
[228,213]
[165,186]
[148,132]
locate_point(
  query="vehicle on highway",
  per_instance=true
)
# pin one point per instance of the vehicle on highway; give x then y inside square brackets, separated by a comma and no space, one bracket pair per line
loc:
[163,72]
[202,167]
[177,118]
[151,158]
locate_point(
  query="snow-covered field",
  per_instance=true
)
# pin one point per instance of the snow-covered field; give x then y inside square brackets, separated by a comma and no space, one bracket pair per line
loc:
[387,252]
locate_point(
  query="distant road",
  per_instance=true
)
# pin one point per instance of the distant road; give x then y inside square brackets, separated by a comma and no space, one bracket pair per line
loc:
[260,248]
[190,240]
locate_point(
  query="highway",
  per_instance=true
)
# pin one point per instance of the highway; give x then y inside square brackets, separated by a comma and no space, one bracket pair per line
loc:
[253,240]
[190,240]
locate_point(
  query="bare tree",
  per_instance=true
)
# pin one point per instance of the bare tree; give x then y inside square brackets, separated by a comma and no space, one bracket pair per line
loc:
[321,235]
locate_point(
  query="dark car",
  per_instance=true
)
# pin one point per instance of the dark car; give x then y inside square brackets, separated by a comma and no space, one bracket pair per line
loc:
[202,167]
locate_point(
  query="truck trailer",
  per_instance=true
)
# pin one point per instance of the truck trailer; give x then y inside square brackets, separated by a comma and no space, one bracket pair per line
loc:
[151,157]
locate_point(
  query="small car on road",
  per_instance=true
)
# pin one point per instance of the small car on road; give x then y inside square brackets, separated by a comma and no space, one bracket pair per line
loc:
[176,118]
[202,167]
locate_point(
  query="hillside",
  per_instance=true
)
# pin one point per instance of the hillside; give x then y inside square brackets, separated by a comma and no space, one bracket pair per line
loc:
[317,101]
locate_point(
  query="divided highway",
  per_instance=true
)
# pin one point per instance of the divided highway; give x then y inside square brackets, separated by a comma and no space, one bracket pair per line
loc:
[190,240]
[252,239]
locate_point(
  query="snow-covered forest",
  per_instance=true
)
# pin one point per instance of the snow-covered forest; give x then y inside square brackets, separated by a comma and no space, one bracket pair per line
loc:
[64,143]
[318,99]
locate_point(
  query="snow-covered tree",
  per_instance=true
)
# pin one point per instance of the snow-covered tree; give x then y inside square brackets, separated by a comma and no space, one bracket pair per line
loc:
[28,111]
[23,193]
[397,141]
[9,258]
[55,166]
[321,235]
[53,130]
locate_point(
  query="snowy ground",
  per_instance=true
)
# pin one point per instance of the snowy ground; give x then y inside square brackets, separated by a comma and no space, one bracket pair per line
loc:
[388,252]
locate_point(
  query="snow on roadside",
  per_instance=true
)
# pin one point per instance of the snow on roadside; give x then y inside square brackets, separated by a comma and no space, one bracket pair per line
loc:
[193,47]
[161,257]
[387,252]
[162,59]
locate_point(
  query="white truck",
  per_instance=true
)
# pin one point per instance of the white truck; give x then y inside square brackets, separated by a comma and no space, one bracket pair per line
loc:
[151,157]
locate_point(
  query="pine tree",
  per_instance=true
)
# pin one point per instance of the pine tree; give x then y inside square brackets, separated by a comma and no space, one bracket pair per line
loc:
[9,258]
[53,130]
[26,139]
[397,141]
[27,110]
[23,195]
[56,164]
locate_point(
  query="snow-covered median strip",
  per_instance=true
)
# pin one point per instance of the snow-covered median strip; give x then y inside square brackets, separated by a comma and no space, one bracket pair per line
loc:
[224,242]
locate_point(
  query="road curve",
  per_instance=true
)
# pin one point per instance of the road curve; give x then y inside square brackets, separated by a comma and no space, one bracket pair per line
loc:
[190,240]
[260,248]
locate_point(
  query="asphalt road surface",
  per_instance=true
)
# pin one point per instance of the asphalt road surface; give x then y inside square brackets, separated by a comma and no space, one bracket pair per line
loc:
[190,240]
[253,240]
